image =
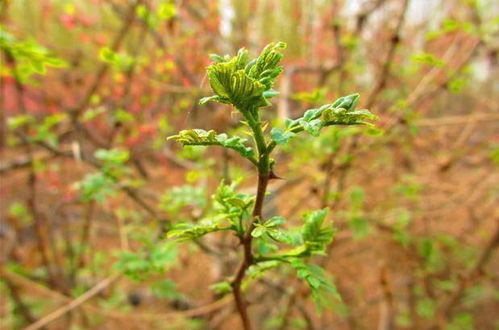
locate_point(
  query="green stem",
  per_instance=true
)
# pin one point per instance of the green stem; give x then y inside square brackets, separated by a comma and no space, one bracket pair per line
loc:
[254,123]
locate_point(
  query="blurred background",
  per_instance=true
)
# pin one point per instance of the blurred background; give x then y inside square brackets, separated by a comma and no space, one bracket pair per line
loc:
[88,183]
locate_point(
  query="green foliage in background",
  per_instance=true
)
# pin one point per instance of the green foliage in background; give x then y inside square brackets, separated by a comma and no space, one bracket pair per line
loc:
[29,57]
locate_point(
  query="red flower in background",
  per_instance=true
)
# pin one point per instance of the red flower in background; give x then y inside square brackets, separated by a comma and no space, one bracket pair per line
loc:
[69,21]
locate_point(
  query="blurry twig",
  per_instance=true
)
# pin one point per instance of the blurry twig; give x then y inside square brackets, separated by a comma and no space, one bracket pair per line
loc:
[387,64]
[160,42]
[104,67]
[457,120]
[424,88]
[85,235]
[293,301]
[26,161]
[40,223]
[364,14]
[194,312]
[386,318]
[182,163]
[465,280]
[81,300]
[74,303]
[130,191]
[23,308]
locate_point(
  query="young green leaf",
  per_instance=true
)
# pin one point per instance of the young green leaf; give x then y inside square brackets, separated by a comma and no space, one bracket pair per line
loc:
[258,270]
[140,264]
[270,230]
[266,67]
[199,137]
[96,186]
[316,235]
[177,198]
[191,231]
[234,87]
[340,112]
[242,83]
[280,136]
[322,288]
[221,287]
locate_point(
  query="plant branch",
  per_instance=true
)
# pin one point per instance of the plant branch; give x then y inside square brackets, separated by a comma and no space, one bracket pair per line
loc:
[247,239]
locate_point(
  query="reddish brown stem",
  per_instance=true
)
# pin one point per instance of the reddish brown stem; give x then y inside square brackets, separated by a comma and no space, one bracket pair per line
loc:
[246,241]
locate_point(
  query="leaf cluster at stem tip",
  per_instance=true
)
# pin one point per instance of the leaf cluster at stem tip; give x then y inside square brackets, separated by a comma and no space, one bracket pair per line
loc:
[247,86]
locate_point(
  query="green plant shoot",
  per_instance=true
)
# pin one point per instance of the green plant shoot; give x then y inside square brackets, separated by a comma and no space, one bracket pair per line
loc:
[247,85]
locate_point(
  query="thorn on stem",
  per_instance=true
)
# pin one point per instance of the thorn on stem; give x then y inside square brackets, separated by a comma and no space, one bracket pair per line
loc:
[273,176]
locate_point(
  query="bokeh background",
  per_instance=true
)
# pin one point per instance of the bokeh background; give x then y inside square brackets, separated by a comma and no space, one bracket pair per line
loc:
[93,87]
